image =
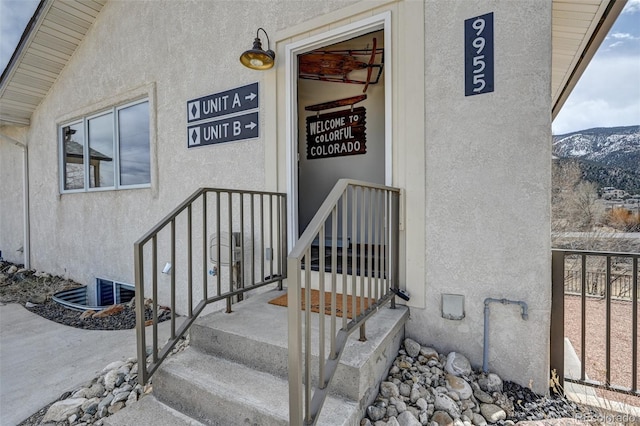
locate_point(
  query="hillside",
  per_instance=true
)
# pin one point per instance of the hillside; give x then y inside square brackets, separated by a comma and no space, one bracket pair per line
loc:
[608,156]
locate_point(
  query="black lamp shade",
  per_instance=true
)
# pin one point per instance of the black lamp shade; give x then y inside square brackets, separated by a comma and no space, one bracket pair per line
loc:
[256,58]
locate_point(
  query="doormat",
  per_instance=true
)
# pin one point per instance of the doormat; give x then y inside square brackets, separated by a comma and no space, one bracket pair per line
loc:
[315,303]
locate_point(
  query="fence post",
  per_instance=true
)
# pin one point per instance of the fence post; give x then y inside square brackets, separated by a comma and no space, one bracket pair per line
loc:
[295,342]
[556,361]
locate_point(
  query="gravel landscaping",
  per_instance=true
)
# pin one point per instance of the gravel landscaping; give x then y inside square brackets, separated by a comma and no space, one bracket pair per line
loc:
[426,385]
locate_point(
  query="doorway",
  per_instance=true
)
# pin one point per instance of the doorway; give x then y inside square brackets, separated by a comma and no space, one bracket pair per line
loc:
[339,114]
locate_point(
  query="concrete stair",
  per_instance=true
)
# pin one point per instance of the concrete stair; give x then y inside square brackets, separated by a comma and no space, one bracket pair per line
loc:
[235,370]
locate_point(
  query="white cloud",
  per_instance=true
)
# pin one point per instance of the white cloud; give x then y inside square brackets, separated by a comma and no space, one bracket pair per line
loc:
[632,6]
[623,36]
[14,16]
[607,95]
[617,43]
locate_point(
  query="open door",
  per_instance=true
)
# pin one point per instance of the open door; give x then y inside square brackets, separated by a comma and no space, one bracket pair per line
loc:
[340,119]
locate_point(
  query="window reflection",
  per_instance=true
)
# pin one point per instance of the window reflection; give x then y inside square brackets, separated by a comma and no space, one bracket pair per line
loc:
[133,127]
[101,165]
[109,150]
[73,137]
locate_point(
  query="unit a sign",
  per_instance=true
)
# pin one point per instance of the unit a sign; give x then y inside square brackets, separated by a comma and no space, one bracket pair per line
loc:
[337,134]
[216,117]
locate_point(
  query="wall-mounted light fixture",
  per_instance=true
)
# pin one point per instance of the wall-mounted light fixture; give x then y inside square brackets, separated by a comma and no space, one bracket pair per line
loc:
[256,58]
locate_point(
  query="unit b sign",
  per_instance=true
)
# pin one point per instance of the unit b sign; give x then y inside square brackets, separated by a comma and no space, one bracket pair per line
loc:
[218,116]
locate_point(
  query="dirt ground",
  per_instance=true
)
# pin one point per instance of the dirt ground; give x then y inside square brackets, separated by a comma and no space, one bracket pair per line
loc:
[18,285]
[595,341]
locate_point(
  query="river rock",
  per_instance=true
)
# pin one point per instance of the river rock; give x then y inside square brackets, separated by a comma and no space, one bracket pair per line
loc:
[459,386]
[406,418]
[442,418]
[405,389]
[375,413]
[457,364]
[492,413]
[392,422]
[111,310]
[428,352]
[398,403]
[389,389]
[62,410]
[445,403]
[412,347]
[490,383]
[482,396]
[478,420]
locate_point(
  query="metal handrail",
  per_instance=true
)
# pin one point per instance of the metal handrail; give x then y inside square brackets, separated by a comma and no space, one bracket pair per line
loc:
[248,215]
[557,316]
[368,251]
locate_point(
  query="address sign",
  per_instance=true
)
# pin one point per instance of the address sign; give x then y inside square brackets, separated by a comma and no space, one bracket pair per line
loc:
[478,55]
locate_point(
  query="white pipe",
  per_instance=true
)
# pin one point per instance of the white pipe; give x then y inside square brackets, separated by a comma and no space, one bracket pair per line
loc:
[485,350]
[26,248]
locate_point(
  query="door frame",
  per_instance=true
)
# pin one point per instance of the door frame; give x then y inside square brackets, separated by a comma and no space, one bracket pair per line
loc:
[374,23]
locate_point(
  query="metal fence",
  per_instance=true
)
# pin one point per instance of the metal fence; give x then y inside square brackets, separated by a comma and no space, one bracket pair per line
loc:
[572,273]
[218,244]
[620,286]
[352,243]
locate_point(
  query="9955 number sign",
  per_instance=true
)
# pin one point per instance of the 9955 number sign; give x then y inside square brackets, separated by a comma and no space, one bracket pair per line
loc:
[478,55]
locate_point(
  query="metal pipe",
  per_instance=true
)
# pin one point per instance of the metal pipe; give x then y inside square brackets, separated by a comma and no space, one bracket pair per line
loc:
[525,316]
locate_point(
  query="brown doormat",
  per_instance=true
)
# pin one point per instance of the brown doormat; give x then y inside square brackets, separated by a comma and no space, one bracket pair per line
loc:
[315,303]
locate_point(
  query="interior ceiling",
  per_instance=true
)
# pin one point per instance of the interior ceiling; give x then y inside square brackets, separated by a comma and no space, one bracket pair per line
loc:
[59,26]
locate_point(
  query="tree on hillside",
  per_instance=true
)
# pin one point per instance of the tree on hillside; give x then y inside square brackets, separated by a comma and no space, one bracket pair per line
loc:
[574,202]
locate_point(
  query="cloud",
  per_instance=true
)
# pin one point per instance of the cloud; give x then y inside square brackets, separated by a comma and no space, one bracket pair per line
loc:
[14,16]
[633,6]
[599,100]
[617,43]
[622,36]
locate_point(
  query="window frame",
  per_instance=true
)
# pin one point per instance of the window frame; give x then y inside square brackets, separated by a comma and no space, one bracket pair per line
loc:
[84,120]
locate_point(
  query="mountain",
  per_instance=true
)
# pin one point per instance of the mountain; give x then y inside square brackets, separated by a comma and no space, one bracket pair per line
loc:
[609,156]
[610,146]
[604,176]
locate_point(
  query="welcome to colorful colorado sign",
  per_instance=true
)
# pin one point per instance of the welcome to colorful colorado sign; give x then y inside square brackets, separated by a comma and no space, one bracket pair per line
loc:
[337,134]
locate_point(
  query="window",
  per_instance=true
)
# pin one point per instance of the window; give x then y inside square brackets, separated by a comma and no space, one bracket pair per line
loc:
[112,292]
[108,150]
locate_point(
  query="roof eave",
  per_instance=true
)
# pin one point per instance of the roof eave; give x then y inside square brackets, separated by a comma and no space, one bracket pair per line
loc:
[28,34]
[611,13]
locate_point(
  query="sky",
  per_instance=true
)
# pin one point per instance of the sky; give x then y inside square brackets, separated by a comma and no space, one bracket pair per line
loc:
[607,95]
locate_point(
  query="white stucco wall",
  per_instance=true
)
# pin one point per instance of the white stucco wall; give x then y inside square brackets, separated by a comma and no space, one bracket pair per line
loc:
[12,193]
[171,52]
[487,185]
[474,171]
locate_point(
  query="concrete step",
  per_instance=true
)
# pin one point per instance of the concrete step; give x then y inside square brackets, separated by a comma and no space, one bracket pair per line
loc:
[235,371]
[216,391]
[150,411]
[255,334]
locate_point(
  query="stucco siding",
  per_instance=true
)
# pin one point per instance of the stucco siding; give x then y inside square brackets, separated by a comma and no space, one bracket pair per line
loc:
[169,52]
[474,171]
[487,186]
[12,193]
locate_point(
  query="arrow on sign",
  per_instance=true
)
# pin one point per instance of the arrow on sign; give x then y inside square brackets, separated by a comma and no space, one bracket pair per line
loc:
[251,96]
[250,126]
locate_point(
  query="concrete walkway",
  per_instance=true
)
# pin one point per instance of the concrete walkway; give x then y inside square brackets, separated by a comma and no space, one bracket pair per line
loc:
[41,359]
